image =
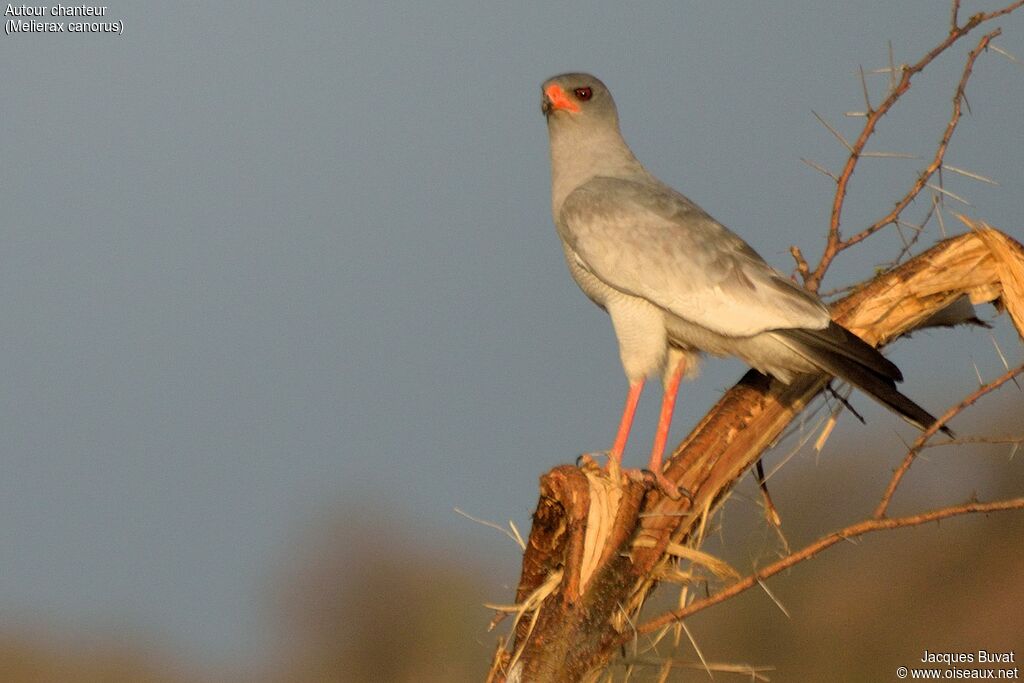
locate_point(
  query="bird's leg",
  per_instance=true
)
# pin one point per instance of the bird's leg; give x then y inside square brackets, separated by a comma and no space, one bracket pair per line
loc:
[615,455]
[668,404]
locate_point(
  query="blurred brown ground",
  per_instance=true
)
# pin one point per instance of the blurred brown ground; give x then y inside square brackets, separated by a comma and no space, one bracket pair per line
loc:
[363,600]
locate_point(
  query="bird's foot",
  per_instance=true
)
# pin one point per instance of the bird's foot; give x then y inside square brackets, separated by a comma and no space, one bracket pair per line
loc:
[648,478]
[612,469]
[659,481]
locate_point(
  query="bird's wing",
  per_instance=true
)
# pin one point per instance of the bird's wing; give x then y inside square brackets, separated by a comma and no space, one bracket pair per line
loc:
[649,241]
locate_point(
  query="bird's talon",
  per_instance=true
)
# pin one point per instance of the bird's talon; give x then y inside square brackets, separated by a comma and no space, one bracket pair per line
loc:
[664,485]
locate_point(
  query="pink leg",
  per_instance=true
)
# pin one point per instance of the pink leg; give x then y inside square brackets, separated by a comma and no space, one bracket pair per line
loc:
[668,404]
[632,398]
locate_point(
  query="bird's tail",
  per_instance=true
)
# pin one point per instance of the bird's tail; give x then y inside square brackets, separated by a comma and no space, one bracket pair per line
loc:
[843,354]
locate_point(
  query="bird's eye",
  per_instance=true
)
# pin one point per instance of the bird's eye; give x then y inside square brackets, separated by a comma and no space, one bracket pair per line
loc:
[583,93]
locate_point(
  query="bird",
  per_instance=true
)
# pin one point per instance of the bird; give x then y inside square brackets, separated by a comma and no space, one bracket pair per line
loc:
[676,282]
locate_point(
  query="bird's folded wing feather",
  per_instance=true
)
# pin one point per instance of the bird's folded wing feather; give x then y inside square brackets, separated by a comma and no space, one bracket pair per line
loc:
[645,239]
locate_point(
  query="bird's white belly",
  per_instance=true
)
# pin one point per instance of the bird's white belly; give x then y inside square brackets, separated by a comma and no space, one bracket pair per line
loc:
[639,325]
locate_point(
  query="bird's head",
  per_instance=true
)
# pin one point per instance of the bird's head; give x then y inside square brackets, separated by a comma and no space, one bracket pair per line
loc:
[578,98]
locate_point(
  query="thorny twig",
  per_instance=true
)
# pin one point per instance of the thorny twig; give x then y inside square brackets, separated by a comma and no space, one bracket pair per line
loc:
[835,242]
[933,208]
[919,443]
[990,440]
[851,531]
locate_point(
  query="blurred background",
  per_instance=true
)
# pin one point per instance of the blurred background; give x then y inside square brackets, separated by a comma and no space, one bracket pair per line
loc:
[279,290]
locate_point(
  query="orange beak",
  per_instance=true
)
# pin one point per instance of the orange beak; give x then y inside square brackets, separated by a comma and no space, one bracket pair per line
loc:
[556,98]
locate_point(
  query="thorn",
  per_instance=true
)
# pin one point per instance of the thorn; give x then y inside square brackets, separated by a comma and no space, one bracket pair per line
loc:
[519,536]
[903,237]
[910,226]
[969,174]
[892,69]
[1004,53]
[999,351]
[820,169]
[949,194]
[864,87]
[774,599]
[832,130]
[936,204]
[889,155]
[696,648]
[906,444]
[981,382]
